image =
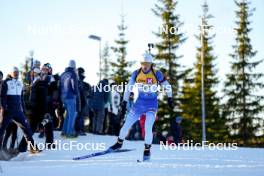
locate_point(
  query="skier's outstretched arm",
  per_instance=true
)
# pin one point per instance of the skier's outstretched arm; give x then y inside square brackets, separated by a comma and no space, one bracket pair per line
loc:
[129,86]
[166,86]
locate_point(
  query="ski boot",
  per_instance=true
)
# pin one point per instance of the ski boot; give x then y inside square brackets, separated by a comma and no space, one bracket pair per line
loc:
[117,145]
[146,154]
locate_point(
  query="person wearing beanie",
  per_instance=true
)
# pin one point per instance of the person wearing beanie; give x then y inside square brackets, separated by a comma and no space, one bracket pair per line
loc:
[36,75]
[52,96]
[72,64]
[40,117]
[12,127]
[13,108]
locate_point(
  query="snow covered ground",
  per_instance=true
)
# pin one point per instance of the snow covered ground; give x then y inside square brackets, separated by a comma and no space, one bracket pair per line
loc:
[243,161]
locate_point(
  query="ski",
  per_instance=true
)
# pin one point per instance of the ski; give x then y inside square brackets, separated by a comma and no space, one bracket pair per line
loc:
[142,161]
[101,153]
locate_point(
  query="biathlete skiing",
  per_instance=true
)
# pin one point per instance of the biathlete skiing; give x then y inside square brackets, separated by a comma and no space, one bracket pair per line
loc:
[145,80]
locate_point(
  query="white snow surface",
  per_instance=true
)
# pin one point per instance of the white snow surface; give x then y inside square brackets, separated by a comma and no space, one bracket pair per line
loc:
[243,161]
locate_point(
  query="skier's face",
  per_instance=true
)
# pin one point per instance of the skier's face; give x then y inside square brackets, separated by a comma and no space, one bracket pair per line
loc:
[145,66]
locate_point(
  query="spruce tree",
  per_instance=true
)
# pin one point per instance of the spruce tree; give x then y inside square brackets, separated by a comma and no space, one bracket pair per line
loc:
[120,67]
[187,108]
[105,70]
[191,107]
[243,104]
[170,39]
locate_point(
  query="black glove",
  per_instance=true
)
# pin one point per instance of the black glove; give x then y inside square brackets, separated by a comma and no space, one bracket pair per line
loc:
[123,108]
[170,102]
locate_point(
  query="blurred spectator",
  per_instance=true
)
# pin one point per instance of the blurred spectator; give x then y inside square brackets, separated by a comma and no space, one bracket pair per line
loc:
[1,82]
[58,108]
[98,104]
[158,137]
[13,107]
[177,131]
[36,64]
[69,93]
[1,79]
[46,74]
[30,75]
[11,128]
[113,108]
[84,92]
[36,75]
[38,101]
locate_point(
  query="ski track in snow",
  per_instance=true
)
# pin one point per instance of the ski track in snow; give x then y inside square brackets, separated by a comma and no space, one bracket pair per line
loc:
[244,161]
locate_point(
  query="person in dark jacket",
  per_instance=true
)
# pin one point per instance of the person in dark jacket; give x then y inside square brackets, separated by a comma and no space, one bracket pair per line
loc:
[57,104]
[99,102]
[38,101]
[69,94]
[84,93]
[1,82]
[177,131]
[46,74]
[13,108]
